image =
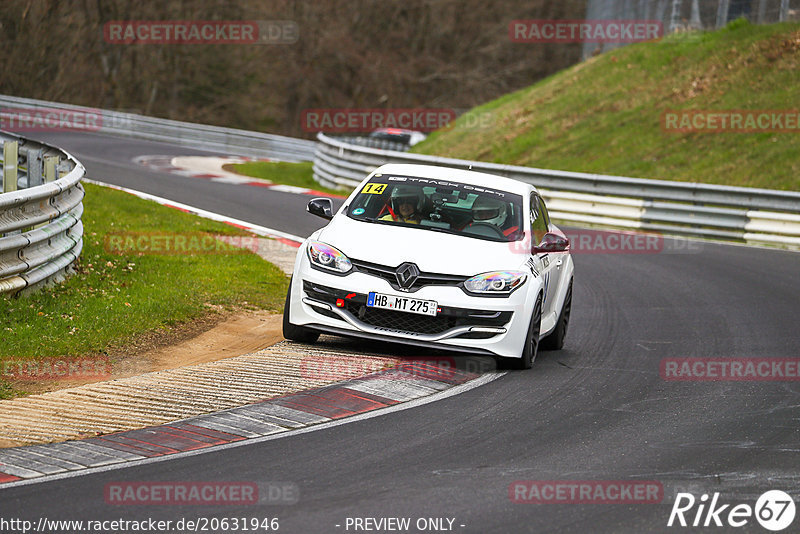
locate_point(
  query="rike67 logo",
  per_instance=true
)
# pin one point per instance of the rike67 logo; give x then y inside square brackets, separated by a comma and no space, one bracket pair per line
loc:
[774,510]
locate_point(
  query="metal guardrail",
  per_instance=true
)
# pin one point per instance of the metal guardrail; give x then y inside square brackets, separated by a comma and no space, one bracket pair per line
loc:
[684,208]
[229,141]
[41,233]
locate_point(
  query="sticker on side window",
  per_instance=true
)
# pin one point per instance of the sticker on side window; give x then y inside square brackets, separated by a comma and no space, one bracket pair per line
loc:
[374,189]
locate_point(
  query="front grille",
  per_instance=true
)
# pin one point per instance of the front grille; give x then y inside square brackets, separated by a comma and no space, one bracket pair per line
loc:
[407,322]
[424,279]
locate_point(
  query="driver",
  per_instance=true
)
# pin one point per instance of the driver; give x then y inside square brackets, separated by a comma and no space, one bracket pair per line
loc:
[406,203]
[488,210]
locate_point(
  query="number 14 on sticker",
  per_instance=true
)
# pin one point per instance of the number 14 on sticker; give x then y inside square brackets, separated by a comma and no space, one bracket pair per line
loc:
[374,189]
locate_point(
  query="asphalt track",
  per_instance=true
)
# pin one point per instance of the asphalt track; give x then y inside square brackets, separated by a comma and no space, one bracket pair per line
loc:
[597,410]
[109,159]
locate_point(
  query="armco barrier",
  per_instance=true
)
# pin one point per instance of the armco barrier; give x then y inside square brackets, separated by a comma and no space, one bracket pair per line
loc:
[41,233]
[684,208]
[200,136]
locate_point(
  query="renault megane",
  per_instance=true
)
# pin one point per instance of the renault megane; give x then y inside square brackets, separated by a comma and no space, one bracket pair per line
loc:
[436,257]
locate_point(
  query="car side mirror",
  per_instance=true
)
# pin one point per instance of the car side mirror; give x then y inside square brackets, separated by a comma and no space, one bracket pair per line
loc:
[321,207]
[551,243]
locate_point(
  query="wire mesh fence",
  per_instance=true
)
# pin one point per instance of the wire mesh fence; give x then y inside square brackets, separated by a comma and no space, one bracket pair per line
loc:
[683,15]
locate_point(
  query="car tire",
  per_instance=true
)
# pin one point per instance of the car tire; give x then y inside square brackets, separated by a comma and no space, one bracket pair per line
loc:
[531,340]
[555,340]
[294,332]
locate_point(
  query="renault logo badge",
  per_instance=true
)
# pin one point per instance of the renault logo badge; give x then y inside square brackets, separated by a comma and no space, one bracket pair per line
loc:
[406,275]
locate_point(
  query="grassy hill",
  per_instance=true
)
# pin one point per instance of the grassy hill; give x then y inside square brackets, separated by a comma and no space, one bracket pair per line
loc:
[605,115]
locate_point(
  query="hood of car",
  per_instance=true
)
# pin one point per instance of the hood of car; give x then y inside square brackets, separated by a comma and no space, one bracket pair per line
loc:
[431,251]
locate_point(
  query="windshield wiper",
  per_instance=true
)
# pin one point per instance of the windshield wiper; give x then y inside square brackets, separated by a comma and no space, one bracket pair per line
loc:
[441,230]
[372,220]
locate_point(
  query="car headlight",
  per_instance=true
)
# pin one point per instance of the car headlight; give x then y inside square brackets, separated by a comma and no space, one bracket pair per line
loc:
[495,283]
[328,258]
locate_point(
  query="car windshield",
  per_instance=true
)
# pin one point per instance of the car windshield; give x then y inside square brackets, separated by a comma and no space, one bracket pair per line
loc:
[441,206]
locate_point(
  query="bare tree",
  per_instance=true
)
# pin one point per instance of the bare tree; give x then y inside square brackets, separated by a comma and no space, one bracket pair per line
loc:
[351,53]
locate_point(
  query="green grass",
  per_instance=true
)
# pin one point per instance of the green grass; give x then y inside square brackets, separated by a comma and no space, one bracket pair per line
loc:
[115,298]
[604,115]
[282,172]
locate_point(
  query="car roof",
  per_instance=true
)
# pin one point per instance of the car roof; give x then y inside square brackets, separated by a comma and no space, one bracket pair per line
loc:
[457,175]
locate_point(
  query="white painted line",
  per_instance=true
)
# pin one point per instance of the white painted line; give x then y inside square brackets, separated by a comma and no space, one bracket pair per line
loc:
[213,423]
[195,165]
[238,180]
[389,389]
[456,390]
[290,188]
[283,412]
[265,418]
[256,229]
[17,471]
[415,380]
[52,460]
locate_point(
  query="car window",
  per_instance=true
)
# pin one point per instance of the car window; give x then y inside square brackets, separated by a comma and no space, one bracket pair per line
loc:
[439,205]
[543,211]
[539,219]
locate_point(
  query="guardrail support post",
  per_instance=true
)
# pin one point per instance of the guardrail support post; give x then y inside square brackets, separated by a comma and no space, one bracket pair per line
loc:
[62,169]
[10,162]
[35,170]
[50,163]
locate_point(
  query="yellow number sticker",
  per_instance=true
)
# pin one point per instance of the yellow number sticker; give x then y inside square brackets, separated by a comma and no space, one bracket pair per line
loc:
[374,189]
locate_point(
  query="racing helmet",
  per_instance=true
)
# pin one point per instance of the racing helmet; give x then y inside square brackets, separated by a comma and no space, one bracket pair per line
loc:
[489,210]
[411,195]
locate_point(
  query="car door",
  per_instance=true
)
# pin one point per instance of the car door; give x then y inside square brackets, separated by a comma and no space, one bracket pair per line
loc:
[548,264]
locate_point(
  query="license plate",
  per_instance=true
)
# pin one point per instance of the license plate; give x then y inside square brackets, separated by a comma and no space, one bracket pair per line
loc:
[405,304]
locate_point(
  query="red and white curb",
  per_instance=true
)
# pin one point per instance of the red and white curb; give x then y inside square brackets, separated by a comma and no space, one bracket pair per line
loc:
[403,386]
[210,168]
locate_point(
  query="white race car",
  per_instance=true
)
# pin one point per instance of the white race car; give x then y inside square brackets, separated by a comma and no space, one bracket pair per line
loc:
[435,257]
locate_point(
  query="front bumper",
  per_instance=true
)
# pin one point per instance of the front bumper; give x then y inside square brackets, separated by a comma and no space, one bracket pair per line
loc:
[449,322]
[496,326]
